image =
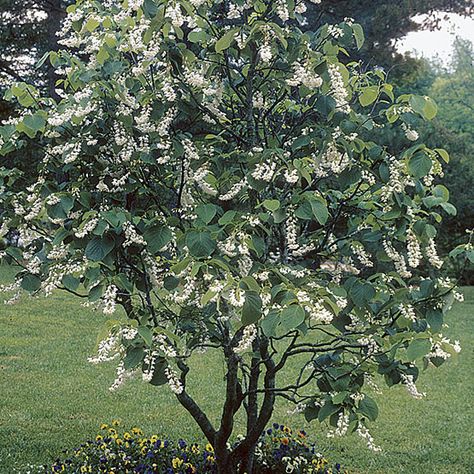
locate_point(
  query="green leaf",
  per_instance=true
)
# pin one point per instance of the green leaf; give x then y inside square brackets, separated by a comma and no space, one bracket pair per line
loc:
[320,210]
[227,218]
[225,42]
[369,95]
[206,212]
[134,357]
[91,24]
[430,109]
[327,410]
[252,308]
[271,204]
[435,319]
[291,317]
[418,348]
[358,32]
[31,283]
[369,408]
[269,323]
[159,374]
[98,248]
[200,244]
[311,412]
[146,334]
[419,165]
[361,293]
[70,282]
[449,208]
[157,237]
[443,154]
[36,122]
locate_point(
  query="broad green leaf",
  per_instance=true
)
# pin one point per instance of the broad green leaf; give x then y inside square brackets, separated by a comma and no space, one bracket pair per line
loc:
[291,317]
[31,283]
[361,293]
[98,248]
[369,95]
[435,319]
[206,212]
[419,165]
[146,334]
[327,410]
[358,32]
[225,42]
[157,237]
[418,348]
[369,408]
[200,244]
[320,210]
[70,282]
[134,357]
[271,204]
[252,308]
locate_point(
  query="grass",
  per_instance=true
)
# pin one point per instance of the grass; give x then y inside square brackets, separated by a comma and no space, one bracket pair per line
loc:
[51,398]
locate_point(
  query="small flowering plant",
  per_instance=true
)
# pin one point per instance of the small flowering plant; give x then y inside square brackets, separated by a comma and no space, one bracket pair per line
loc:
[280,450]
[221,176]
[114,450]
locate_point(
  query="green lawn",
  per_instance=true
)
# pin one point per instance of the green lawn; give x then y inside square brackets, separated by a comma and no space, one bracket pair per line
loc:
[51,398]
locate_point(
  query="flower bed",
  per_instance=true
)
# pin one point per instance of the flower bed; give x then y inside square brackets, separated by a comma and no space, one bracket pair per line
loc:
[280,450]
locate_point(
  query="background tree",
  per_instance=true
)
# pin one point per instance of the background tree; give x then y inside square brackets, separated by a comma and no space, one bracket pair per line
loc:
[224,180]
[384,22]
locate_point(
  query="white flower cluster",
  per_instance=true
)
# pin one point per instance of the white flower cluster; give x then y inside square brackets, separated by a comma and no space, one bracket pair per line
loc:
[86,228]
[338,89]
[408,312]
[369,344]
[292,177]
[132,237]
[409,383]
[411,134]
[265,53]
[413,249]
[363,432]
[362,255]
[302,74]
[109,300]
[234,190]
[200,178]
[121,377]
[236,298]
[264,171]
[248,336]
[432,254]
[109,349]
[341,427]
[150,364]
[398,259]
[173,381]
[397,181]
[282,10]
[335,31]
[333,161]
[167,349]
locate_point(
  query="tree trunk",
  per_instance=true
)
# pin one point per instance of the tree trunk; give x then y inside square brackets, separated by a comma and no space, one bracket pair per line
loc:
[55,13]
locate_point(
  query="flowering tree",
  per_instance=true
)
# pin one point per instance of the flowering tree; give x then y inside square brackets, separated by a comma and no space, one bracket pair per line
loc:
[217,173]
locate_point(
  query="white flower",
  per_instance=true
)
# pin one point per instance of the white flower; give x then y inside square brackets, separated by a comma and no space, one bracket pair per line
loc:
[266,53]
[338,90]
[248,336]
[412,135]
[173,381]
[109,299]
[407,380]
